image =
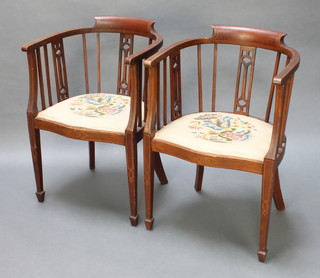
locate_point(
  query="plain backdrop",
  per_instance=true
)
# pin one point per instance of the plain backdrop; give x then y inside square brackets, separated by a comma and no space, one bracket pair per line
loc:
[82,230]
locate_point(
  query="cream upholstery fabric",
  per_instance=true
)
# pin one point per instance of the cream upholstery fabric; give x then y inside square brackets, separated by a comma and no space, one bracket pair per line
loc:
[219,133]
[106,112]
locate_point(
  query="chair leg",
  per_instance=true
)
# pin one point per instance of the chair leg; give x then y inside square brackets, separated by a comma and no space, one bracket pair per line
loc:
[148,183]
[131,156]
[199,178]
[159,169]
[92,157]
[35,143]
[277,195]
[266,198]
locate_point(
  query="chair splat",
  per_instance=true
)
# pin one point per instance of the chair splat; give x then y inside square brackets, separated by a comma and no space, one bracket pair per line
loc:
[244,81]
[125,50]
[60,70]
[175,86]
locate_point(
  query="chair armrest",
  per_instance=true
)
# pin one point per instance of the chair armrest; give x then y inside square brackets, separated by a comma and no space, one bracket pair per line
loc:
[152,101]
[283,93]
[146,52]
[293,65]
[167,51]
[53,37]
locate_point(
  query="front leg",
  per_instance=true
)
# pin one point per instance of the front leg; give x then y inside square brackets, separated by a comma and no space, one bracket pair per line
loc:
[148,182]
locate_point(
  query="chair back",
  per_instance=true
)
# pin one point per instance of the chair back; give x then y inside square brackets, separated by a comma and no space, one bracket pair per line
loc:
[106,58]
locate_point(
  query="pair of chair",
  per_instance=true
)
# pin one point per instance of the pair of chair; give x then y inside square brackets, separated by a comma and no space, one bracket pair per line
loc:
[146,101]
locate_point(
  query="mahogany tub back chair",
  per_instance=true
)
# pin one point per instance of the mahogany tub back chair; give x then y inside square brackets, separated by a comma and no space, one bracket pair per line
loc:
[185,119]
[89,84]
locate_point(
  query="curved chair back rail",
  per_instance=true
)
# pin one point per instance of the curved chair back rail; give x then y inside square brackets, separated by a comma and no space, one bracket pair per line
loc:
[89,84]
[222,101]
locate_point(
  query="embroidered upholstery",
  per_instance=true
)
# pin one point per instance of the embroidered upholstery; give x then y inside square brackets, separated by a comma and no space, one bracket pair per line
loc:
[107,112]
[220,134]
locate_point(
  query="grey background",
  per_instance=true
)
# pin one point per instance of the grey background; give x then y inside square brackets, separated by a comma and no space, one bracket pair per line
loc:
[82,230]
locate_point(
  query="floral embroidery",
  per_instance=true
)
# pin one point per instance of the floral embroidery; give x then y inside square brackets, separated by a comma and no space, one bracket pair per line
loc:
[216,127]
[99,105]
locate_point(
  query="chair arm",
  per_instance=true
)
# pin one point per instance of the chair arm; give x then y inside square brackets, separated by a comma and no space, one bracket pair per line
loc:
[171,49]
[283,93]
[32,109]
[153,91]
[289,70]
[146,52]
[135,62]
[152,63]
[54,37]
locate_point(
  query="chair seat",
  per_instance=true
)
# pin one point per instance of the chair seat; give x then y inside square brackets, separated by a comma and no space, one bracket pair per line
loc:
[219,134]
[98,111]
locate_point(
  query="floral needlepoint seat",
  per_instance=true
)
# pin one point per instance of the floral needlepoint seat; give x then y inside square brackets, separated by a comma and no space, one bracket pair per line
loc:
[215,133]
[104,112]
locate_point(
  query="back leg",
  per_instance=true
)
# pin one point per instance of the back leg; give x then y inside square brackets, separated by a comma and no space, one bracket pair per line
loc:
[159,169]
[199,178]
[35,143]
[277,195]
[92,157]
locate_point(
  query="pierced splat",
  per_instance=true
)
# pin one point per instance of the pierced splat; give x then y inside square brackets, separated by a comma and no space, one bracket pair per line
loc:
[244,80]
[175,86]
[60,70]
[125,50]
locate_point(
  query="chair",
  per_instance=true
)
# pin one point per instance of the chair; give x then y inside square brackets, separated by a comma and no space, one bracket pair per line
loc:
[98,92]
[189,97]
